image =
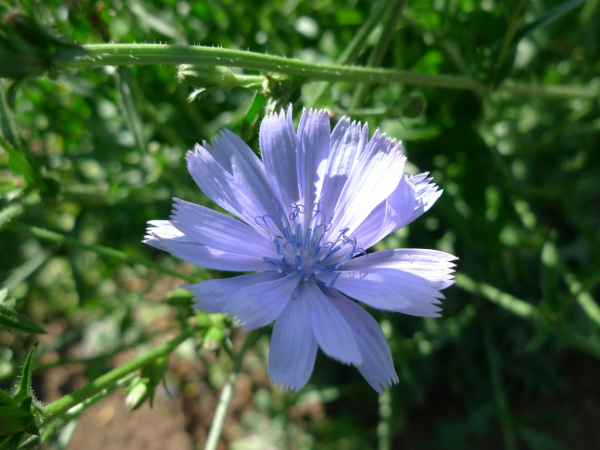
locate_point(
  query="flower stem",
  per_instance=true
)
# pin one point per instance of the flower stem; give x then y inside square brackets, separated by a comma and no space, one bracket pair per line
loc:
[216,427]
[144,54]
[384,435]
[61,406]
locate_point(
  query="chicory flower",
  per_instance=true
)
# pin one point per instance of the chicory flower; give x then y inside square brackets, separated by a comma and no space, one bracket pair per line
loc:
[308,212]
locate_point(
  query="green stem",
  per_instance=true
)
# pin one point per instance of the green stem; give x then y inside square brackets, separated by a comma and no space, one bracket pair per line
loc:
[502,406]
[516,306]
[356,43]
[145,54]
[218,421]
[51,236]
[50,431]
[527,311]
[385,417]
[61,406]
[378,52]
[514,22]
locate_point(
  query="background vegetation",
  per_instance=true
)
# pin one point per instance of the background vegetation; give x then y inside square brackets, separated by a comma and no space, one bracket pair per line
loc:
[89,155]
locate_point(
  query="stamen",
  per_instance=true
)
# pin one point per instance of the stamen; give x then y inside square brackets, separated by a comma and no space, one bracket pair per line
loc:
[305,254]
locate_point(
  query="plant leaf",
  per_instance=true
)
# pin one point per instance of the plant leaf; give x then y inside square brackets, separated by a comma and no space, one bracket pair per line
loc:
[24,391]
[11,319]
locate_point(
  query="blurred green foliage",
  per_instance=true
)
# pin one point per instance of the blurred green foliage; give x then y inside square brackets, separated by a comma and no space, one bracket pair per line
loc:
[92,154]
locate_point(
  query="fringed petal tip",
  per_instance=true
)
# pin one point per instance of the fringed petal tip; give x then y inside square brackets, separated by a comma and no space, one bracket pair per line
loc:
[159,232]
[381,385]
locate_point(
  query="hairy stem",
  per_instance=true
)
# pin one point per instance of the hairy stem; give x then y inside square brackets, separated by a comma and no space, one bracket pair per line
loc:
[144,54]
[61,406]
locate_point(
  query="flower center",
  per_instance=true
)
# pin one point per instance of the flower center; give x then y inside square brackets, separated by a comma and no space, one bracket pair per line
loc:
[307,248]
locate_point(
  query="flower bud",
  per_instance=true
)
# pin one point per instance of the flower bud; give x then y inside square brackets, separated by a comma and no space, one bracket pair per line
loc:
[18,419]
[137,394]
[207,79]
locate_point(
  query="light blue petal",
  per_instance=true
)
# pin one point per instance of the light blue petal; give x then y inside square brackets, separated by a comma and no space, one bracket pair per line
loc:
[209,227]
[333,334]
[212,295]
[239,187]
[377,366]
[427,194]
[391,289]
[159,231]
[260,304]
[311,157]
[293,346]
[163,235]
[278,149]
[348,142]
[211,258]
[435,266]
[393,213]
[374,178]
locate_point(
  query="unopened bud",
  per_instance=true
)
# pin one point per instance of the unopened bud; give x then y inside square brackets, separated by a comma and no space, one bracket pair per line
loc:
[18,419]
[207,79]
[137,395]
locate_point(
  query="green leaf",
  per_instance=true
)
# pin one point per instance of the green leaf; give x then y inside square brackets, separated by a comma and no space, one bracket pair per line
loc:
[129,105]
[11,319]
[15,440]
[547,18]
[24,391]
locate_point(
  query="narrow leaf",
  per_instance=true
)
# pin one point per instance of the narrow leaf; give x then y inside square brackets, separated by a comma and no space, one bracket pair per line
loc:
[129,105]
[11,319]
[24,391]
[547,18]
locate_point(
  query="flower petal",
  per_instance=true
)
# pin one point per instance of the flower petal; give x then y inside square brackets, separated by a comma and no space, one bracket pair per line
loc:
[374,178]
[163,235]
[348,142]
[160,230]
[427,194]
[331,330]
[391,289]
[377,366]
[246,195]
[311,157]
[278,149]
[211,258]
[209,227]
[293,348]
[396,211]
[413,197]
[435,266]
[260,304]
[211,295]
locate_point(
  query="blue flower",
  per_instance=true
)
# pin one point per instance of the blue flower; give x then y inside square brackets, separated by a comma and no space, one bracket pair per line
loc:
[309,210]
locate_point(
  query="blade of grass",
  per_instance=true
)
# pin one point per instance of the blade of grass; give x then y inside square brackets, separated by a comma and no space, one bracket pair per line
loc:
[356,44]
[378,52]
[51,236]
[519,307]
[129,106]
[500,396]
